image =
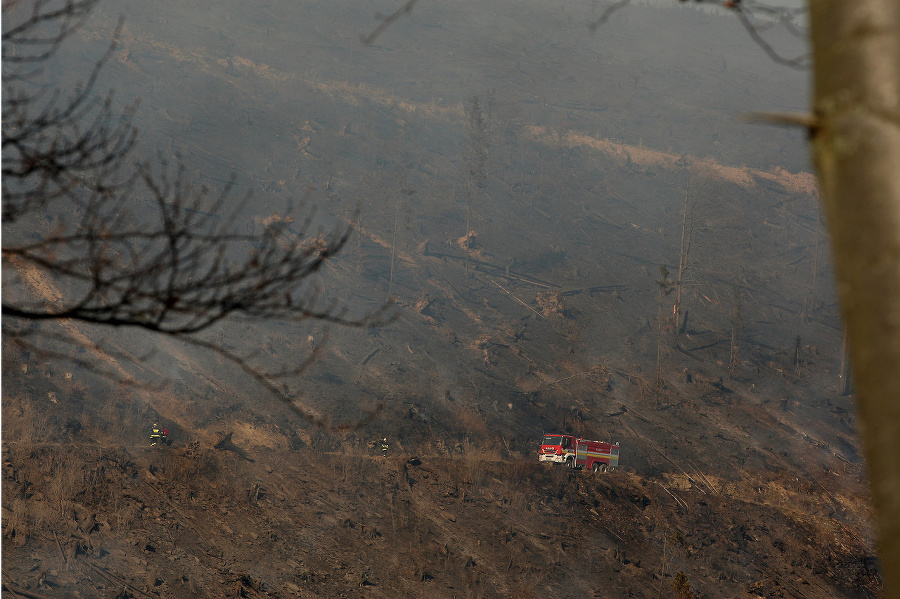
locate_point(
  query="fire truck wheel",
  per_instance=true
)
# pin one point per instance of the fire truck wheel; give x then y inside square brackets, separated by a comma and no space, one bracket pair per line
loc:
[596,467]
[570,463]
[603,467]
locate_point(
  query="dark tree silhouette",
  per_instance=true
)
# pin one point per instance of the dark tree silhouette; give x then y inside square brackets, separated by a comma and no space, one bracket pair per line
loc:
[93,236]
[756,17]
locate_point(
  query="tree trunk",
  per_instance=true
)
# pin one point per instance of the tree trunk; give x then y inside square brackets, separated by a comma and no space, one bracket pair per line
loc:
[856,147]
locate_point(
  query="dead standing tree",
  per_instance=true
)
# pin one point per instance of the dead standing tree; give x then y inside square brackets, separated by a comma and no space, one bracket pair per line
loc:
[737,330]
[696,197]
[94,237]
[476,163]
[665,286]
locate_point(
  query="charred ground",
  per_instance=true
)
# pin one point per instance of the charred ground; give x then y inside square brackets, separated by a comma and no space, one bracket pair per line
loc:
[548,312]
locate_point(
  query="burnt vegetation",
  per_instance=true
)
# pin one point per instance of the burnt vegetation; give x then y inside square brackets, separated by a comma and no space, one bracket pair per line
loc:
[575,239]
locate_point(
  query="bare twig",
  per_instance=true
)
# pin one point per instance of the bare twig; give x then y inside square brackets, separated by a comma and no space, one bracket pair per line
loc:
[594,25]
[785,119]
[801,62]
[386,22]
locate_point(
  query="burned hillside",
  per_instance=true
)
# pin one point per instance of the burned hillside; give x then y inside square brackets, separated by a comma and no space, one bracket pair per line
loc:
[598,248]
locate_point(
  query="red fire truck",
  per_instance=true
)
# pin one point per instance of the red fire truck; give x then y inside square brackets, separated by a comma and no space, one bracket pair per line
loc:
[579,453]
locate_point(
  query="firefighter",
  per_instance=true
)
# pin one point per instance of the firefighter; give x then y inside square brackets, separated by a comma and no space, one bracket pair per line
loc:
[155,435]
[384,447]
[165,436]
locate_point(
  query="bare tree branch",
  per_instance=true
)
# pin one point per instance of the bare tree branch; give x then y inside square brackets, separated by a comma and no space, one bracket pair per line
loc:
[387,20]
[594,25]
[268,380]
[745,10]
[802,62]
[29,35]
[93,236]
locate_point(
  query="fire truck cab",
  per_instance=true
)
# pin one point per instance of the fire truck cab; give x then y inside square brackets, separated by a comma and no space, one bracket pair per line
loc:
[579,453]
[559,449]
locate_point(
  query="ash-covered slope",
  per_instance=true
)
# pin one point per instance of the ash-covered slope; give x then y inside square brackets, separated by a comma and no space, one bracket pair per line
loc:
[527,301]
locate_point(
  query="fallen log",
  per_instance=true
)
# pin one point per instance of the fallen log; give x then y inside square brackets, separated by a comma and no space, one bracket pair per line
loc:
[594,289]
[492,269]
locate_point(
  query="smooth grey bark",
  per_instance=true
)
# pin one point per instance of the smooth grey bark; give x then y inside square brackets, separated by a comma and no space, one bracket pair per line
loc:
[856,148]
